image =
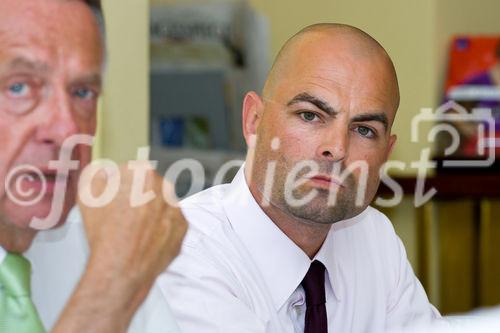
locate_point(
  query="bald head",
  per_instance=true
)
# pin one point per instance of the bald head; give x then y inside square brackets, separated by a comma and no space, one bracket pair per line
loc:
[329,102]
[338,44]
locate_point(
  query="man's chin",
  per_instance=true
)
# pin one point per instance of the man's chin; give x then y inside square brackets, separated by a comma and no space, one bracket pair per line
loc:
[320,211]
[24,216]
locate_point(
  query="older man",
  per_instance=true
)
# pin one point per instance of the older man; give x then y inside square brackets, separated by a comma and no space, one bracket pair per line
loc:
[51,60]
[291,245]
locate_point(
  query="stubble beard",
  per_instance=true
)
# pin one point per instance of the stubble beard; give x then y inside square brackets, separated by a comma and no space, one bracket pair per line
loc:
[318,210]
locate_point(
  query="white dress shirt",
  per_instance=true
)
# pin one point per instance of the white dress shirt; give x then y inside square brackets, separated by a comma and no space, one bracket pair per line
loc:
[3,254]
[58,259]
[237,272]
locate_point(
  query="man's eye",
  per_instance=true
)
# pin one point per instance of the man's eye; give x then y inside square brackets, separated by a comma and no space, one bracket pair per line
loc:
[365,131]
[19,89]
[308,116]
[84,93]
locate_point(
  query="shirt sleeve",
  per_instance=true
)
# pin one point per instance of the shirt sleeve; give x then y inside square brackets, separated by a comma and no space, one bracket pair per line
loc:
[408,304]
[206,297]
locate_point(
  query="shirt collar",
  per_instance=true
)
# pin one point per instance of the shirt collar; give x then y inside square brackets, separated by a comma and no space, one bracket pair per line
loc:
[280,261]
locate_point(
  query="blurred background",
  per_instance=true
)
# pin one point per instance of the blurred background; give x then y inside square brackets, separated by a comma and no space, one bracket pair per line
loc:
[178,70]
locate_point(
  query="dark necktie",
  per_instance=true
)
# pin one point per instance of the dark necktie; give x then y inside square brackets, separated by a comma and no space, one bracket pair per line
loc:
[314,286]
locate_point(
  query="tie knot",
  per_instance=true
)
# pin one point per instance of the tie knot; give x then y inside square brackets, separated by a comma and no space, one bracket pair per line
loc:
[314,284]
[15,275]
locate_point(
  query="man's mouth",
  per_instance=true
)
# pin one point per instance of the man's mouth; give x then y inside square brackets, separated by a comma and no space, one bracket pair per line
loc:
[325,181]
[46,181]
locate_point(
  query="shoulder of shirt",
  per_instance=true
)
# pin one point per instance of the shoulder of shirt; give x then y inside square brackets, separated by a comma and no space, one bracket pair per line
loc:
[373,233]
[379,218]
[382,229]
[382,221]
[205,214]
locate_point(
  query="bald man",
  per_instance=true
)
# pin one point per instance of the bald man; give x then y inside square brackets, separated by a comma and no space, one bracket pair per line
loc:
[291,245]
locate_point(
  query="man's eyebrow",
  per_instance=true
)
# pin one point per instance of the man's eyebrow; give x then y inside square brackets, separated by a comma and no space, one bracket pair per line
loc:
[27,64]
[319,103]
[93,79]
[380,117]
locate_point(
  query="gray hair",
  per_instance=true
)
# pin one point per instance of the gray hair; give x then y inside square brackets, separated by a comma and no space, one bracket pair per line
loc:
[96,7]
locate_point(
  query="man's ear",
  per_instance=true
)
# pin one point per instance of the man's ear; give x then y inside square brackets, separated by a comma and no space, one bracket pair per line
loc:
[253,108]
[392,141]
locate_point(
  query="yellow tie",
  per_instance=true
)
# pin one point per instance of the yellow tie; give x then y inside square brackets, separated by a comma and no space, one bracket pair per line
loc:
[17,312]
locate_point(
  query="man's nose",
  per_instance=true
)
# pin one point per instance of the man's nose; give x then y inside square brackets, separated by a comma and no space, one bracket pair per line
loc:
[334,144]
[58,119]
